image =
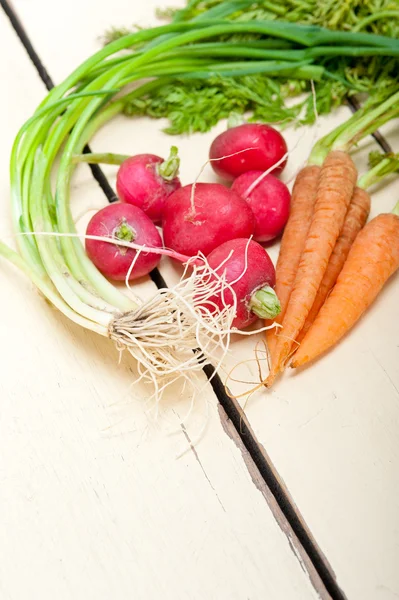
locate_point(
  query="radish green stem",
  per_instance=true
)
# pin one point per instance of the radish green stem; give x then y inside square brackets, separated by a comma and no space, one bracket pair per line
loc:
[265,304]
[125,232]
[169,169]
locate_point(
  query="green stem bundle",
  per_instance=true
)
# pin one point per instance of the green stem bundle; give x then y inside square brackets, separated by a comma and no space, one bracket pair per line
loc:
[375,113]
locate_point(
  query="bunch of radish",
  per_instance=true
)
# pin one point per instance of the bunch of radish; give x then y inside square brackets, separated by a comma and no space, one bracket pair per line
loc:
[224,224]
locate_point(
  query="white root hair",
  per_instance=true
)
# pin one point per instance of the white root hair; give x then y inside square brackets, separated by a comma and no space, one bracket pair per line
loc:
[208,162]
[179,330]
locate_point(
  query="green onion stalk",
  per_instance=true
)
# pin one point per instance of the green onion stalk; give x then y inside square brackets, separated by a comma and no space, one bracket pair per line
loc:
[162,332]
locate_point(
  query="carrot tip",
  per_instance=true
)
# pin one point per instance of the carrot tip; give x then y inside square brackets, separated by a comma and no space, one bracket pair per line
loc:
[299,362]
[270,379]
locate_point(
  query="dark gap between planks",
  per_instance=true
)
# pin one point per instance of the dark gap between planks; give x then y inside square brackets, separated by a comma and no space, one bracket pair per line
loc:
[232,408]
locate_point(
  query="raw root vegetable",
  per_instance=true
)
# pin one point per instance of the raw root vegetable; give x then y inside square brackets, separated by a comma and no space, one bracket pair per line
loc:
[335,188]
[269,201]
[143,180]
[128,224]
[373,258]
[248,270]
[201,217]
[147,180]
[248,147]
[355,220]
[337,182]
[293,242]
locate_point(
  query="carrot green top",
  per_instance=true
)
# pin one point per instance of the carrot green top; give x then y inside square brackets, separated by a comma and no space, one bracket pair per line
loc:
[377,111]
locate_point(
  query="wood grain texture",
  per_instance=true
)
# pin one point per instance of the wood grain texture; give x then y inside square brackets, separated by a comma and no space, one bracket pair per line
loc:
[94,503]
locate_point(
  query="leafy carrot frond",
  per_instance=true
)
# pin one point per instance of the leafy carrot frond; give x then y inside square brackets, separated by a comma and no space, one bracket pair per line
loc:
[392,160]
[114,33]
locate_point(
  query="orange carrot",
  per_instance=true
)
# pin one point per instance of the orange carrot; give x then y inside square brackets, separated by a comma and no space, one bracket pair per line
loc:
[373,258]
[355,220]
[336,186]
[293,242]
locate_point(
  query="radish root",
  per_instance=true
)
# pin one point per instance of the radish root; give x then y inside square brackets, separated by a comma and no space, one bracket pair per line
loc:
[178,331]
[208,162]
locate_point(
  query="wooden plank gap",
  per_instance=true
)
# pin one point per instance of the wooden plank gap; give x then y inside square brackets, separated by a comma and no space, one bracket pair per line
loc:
[306,563]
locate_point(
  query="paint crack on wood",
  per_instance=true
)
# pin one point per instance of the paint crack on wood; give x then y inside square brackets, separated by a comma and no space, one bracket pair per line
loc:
[386,373]
[322,409]
[197,458]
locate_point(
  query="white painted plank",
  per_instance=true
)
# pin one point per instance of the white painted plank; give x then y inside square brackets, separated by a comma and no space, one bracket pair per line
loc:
[331,430]
[95,503]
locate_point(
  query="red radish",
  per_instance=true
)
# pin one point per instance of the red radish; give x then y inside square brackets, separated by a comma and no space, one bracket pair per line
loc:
[269,200]
[254,146]
[203,220]
[129,224]
[146,180]
[250,271]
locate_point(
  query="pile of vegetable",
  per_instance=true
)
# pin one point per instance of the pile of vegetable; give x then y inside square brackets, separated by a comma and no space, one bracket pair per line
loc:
[211,220]
[228,278]
[330,269]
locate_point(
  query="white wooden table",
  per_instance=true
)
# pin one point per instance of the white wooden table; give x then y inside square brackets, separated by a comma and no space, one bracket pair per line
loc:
[299,503]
